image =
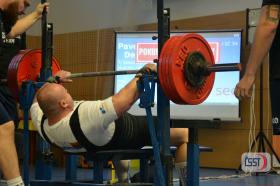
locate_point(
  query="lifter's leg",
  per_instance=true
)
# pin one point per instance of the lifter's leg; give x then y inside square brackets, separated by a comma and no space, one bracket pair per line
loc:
[179,138]
[122,168]
[8,155]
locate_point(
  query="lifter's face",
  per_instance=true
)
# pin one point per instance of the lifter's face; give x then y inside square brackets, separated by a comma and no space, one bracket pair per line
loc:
[67,97]
[64,98]
[57,92]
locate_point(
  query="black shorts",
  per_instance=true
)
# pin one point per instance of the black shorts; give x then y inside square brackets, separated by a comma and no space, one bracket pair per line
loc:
[8,106]
[131,132]
[275,105]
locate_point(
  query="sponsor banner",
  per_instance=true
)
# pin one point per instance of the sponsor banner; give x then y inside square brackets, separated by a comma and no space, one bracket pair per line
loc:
[256,162]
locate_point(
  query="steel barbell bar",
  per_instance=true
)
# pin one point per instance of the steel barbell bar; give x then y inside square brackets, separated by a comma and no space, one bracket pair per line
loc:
[93,74]
[212,68]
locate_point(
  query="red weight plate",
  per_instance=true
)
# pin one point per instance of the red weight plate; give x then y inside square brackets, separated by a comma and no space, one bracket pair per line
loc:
[174,96]
[190,43]
[164,52]
[168,90]
[163,73]
[26,66]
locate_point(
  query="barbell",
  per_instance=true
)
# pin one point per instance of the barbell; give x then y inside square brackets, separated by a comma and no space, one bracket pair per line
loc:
[186,69]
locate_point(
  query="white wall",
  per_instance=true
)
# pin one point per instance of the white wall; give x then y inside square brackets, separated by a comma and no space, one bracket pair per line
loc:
[84,15]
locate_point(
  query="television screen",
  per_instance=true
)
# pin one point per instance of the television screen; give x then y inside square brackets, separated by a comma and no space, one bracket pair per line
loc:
[134,49]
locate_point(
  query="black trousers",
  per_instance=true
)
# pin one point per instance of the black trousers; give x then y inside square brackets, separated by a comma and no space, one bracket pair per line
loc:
[131,133]
[8,106]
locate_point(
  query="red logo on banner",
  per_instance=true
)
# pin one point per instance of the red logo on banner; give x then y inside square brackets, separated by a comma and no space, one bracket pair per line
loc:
[215,47]
[146,52]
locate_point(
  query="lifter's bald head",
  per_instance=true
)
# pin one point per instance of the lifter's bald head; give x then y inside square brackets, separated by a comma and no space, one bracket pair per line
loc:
[54,99]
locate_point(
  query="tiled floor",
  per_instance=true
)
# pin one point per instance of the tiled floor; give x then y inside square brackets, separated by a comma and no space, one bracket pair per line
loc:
[208,177]
[231,178]
[263,180]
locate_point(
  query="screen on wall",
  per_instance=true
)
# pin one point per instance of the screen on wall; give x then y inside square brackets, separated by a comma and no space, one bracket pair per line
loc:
[134,49]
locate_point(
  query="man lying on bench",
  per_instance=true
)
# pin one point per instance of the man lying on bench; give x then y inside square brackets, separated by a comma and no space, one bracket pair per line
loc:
[80,126]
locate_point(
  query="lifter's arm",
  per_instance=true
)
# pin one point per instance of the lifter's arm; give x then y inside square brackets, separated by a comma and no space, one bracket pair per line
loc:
[127,96]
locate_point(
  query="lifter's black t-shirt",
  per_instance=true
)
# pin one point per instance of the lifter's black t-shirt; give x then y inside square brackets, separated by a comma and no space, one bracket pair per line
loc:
[274,53]
[8,48]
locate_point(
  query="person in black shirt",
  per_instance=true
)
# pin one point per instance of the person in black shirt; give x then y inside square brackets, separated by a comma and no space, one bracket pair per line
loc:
[266,39]
[10,43]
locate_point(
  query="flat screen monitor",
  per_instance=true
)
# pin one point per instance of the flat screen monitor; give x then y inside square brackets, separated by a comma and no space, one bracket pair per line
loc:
[134,49]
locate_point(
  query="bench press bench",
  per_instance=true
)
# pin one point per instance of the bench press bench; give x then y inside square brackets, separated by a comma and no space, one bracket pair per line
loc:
[98,159]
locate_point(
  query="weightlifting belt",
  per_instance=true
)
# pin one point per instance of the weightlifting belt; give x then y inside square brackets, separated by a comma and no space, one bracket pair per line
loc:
[77,132]
[75,114]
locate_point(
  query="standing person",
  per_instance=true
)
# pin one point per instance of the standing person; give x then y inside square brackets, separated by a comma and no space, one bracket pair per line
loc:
[266,39]
[10,43]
